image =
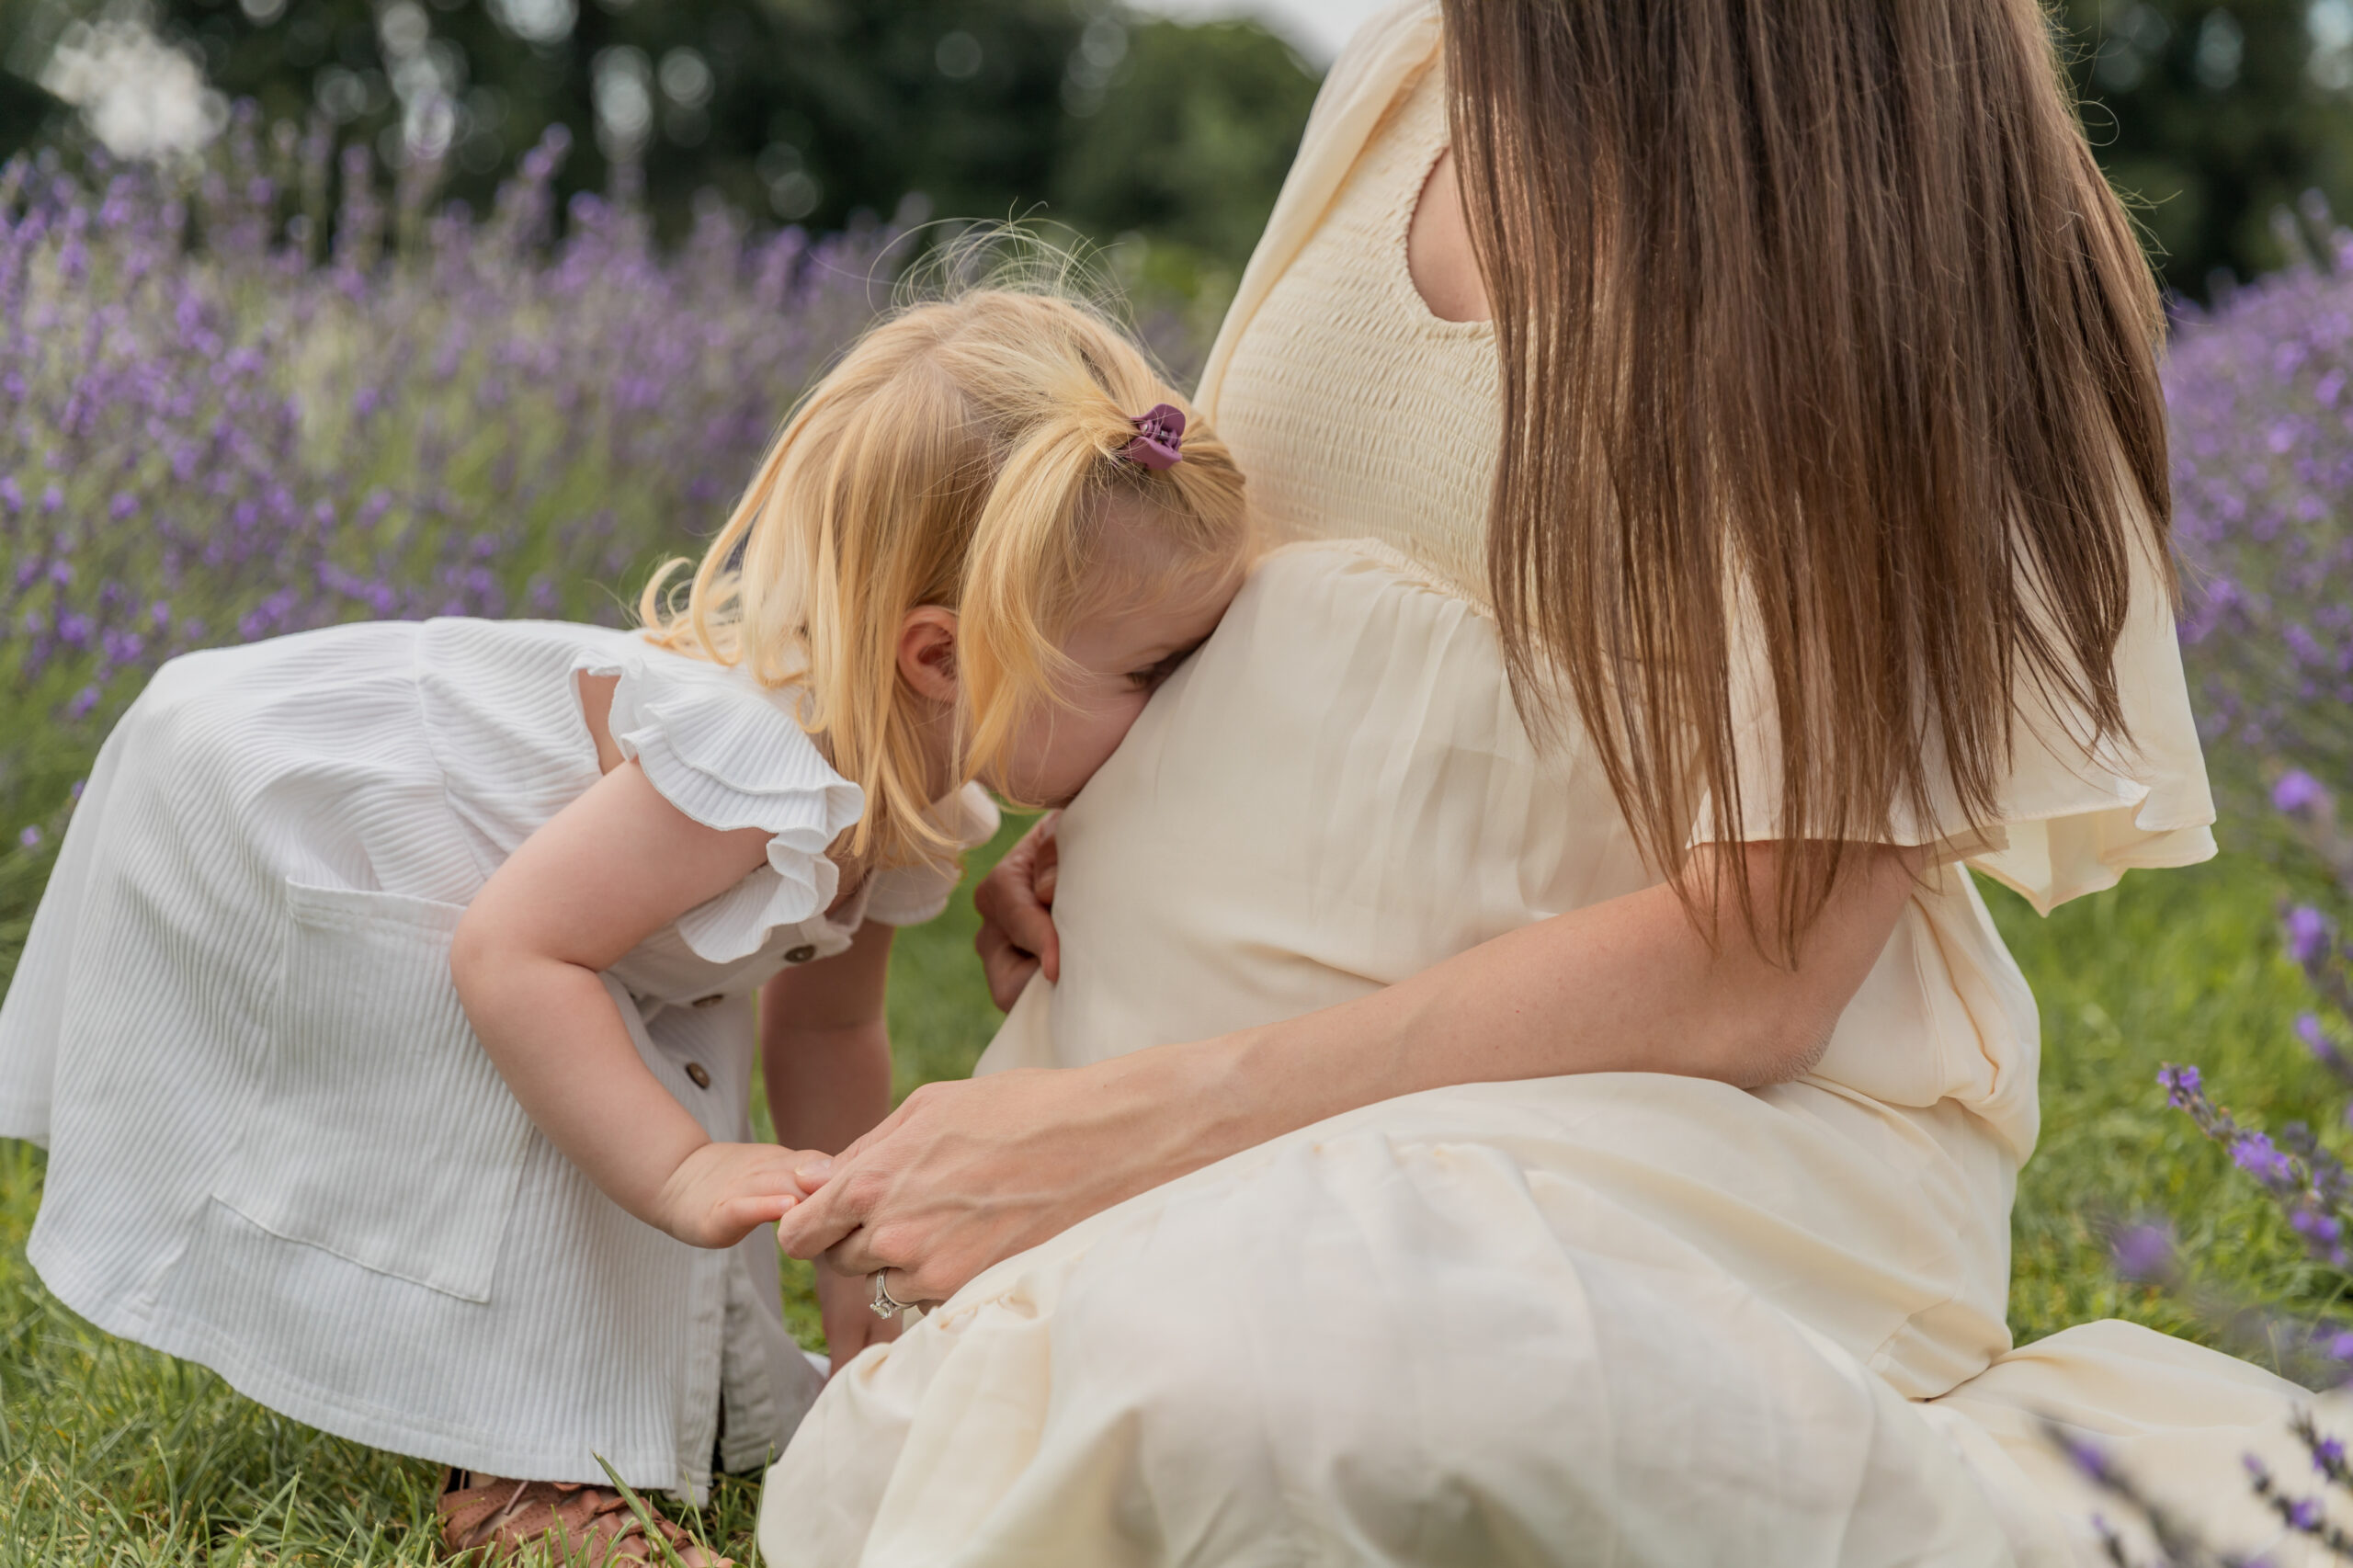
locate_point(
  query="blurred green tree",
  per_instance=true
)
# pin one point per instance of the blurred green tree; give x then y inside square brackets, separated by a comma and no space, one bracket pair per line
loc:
[1184,132]
[26,113]
[2215,116]
[808,110]
[2218,119]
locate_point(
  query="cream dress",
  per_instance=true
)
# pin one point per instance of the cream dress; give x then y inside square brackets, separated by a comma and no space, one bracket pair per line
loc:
[1615,1318]
[276,1146]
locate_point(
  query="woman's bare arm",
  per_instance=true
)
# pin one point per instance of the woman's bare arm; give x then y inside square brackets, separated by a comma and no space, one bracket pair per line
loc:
[965,1173]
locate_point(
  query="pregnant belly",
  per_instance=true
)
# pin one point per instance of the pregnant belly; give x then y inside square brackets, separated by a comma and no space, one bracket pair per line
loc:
[1332,795]
[1338,793]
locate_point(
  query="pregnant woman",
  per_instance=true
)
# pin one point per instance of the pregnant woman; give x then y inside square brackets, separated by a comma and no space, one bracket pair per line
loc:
[1531,1077]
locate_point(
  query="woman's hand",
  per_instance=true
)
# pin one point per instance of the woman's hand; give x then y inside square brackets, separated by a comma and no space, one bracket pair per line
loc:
[850,1323]
[721,1190]
[1017,901]
[965,1173]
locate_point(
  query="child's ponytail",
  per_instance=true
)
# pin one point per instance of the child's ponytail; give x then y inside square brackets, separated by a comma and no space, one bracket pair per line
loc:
[1031,559]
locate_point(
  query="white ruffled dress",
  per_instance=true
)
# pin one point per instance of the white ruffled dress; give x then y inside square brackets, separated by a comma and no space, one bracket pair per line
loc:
[276,1146]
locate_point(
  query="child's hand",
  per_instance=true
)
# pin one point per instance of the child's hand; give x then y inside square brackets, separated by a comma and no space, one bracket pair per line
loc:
[1016,903]
[721,1190]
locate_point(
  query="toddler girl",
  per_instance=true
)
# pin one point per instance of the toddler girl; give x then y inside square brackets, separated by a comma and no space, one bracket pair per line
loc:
[389,1017]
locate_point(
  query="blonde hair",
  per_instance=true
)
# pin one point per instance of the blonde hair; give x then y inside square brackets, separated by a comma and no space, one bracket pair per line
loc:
[959,455]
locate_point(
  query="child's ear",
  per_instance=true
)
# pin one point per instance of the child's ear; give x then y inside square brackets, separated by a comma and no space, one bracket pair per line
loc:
[927,651]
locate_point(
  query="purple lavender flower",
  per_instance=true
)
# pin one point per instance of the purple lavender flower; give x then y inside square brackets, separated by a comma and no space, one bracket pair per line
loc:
[29,838]
[2255,1153]
[2304,1514]
[2318,1229]
[2182,1086]
[2144,1253]
[2309,934]
[2297,792]
[199,471]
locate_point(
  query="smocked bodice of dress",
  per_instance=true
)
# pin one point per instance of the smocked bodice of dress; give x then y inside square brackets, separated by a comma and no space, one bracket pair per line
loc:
[1356,412]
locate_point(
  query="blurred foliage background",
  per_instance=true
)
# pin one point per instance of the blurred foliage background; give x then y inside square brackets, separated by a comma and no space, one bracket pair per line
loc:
[1079,113]
[2219,120]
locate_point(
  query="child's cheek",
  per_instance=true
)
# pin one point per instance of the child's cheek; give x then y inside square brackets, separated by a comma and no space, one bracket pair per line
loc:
[1092,743]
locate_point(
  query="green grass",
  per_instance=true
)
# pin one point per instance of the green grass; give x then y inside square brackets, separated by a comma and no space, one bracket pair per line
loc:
[2173,966]
[109,1453]
[113,1454]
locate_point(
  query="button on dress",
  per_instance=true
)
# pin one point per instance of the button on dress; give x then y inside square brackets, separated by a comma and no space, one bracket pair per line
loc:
[276,1147]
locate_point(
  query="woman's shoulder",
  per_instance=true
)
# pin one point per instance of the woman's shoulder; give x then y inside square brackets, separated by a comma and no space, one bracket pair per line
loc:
[1357,92]
[1409,24]
[1381,56]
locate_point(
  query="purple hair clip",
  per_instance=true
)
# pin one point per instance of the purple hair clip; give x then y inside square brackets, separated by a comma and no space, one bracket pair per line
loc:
[1159,442]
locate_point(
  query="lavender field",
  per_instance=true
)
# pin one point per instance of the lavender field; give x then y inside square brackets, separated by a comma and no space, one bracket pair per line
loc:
[230,410]
[217,425]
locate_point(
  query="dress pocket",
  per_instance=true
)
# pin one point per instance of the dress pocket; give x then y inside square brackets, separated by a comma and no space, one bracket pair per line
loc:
[382,1131]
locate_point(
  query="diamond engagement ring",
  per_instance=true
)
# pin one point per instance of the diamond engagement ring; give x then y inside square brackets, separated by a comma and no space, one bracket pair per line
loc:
[882,1303]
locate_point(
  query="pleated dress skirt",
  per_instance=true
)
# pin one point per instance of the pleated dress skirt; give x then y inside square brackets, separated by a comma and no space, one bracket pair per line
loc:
[276,1147]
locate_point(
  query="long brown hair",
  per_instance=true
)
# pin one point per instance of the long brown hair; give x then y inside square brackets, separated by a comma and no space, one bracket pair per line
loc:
[1827,354]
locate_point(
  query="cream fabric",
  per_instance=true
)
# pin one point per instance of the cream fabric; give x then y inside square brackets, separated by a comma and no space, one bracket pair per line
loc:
[1399,409]
[276,1146]
[1621,1318]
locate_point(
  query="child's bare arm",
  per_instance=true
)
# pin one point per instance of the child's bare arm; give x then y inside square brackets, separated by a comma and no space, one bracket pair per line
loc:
[606,871]
[825,1049]
[825,1052]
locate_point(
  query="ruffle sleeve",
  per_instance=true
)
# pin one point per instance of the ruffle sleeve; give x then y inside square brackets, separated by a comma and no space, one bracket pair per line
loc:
[730,754]
[2072,818]
[909,895]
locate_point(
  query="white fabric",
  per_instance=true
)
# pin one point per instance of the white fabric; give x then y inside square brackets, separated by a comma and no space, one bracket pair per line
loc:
[1331,403]
[276,1147]
[689,727]
[1617,1318]
[2177,1419]
[2073,817]
[1393,1338]
[1547,1322]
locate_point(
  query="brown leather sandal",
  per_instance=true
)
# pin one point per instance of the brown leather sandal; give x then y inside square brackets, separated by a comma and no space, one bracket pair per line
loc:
[489,1520]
